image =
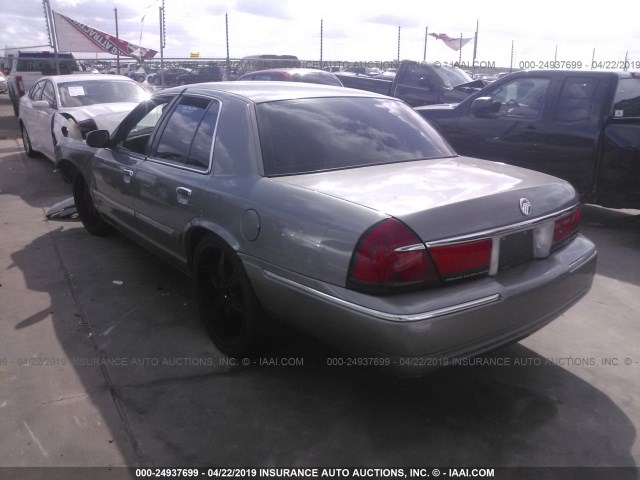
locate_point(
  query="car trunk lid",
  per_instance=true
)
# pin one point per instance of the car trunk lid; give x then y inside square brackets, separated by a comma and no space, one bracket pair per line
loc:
[445,198]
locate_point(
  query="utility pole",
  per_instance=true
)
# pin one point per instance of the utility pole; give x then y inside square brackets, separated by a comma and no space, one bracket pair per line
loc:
[424,54]
[511,66]
[53,37]
[161,12]
[321,40]
[226,23]
[475,45]
[118,46]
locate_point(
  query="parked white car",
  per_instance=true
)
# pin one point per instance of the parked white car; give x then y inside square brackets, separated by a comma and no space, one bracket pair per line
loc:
[3,83]
[73,105]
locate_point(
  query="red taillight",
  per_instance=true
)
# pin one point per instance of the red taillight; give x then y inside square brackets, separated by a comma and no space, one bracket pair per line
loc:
[20,85]
[390,255]
[566,226]
[462,260]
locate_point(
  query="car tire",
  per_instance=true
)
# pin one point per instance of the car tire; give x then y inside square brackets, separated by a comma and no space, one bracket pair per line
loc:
[26,142]
[89,215]
[16,108]
[228,305]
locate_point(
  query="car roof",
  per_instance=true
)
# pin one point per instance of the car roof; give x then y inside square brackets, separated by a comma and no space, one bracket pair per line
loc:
[259,92]
[85,77]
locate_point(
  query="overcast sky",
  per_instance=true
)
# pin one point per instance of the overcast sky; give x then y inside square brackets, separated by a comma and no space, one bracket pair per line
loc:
[353,30]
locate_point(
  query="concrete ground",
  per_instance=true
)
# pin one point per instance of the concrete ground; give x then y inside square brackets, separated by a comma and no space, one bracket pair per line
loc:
[103,362]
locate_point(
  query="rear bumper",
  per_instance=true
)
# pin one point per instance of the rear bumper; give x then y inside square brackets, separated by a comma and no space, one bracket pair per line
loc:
[418,331]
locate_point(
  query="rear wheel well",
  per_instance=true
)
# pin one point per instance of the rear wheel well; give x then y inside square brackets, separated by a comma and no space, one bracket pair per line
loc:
[192,240]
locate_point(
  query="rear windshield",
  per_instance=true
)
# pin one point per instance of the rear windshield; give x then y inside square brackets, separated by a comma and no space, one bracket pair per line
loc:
[323,78]
[45,63]
[626,103]
[318,134]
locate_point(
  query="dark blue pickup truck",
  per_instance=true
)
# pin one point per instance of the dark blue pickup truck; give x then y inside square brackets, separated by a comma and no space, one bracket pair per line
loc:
[418,83]
[582,126]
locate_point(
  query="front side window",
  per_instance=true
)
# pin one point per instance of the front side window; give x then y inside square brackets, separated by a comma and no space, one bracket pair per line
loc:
[311,135]
[48,94]
[187,138]
[626,103]
[36,91]
[522,97]
[136,136]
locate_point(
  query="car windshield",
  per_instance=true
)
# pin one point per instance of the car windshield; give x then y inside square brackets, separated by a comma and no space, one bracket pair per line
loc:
[83,93]
[312,135]
[452,76]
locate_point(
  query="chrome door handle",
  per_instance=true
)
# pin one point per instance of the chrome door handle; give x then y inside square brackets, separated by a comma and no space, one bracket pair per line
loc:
[182,195]
[128,175]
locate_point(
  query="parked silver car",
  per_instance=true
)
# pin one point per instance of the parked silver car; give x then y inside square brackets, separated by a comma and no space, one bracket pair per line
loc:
[340,211]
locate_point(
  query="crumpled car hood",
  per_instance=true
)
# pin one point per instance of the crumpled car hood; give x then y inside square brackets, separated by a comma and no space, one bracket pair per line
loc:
[92,111]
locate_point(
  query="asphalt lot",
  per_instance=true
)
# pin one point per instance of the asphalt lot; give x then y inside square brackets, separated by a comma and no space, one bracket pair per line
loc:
[103,362]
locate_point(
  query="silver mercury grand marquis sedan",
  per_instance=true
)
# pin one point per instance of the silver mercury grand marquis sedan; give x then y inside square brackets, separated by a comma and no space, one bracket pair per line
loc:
[342,212]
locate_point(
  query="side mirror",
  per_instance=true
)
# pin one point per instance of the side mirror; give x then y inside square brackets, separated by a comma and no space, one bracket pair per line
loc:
[485,107]
[41,105]
[98,138]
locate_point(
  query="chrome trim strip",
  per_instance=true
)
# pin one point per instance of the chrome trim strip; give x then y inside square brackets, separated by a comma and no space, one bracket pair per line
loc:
[384,315]
[500,230]
[155,224]
[411,248]
[114,205]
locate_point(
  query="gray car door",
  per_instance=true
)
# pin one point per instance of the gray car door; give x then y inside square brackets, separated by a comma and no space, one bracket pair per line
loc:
[114,169]
[173,178]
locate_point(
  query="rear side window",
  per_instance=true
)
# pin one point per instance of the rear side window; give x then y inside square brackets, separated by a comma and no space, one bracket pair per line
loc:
[576,99]
[187,138]
[626,103]
[312,135]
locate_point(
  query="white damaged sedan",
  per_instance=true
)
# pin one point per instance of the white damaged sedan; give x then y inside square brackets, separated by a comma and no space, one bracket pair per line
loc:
[73,105]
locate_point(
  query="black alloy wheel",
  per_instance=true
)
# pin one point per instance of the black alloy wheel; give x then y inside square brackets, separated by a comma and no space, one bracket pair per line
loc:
[228,305]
